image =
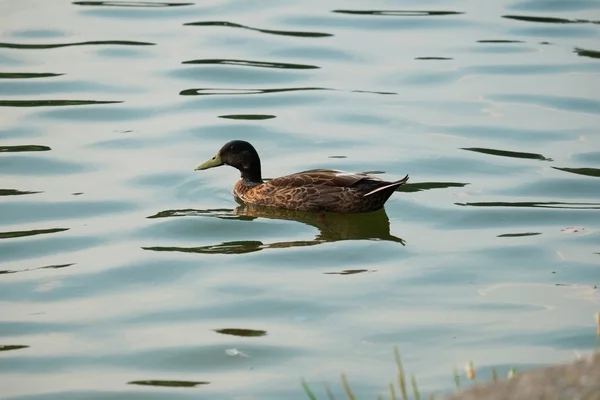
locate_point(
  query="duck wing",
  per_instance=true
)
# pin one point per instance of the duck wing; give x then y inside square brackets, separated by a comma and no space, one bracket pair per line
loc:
[324,190]
[321,178]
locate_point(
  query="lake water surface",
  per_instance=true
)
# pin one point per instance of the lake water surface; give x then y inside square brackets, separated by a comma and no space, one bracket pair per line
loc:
[124,274]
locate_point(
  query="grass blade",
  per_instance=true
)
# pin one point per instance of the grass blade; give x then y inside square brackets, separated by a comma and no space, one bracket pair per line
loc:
[330,395]
[401,377]
[307,390]
[456,379]
[347,387]
[413,382]
[392,392]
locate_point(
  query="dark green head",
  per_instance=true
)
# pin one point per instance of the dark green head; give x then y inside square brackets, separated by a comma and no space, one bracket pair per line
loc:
[240,155]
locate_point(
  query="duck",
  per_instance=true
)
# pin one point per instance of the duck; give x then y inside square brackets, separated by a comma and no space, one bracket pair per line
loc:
[315,190]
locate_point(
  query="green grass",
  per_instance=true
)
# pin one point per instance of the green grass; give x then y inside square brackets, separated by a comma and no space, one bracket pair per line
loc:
[399,390]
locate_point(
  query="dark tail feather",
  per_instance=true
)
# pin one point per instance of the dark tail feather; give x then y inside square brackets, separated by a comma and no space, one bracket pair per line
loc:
[389,186]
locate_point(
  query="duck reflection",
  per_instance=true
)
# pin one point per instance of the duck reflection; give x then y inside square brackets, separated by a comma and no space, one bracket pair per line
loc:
[332,228]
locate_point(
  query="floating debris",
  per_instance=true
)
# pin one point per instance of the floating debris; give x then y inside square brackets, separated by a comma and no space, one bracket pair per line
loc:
[235,353]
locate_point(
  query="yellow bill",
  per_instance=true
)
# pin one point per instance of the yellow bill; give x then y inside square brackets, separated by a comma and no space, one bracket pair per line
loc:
[213,162]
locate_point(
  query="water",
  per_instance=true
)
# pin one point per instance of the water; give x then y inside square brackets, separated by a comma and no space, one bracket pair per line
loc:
[124,272]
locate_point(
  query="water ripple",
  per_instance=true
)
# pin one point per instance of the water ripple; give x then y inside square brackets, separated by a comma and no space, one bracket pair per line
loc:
[152,283]
[558,31]
[89,43]
[533,204]
[25,165]
[238,92]
[499,41]
[241,332]
[170,383]
[554,5]
[27,75]
[10,347]
[550,20]
[52,103]
[506,153]
[17,234]
[587,53]
[18,250]
[250,117]
[58,266]
[591,157]
[54,87]
[520,135]
[15,192]
[563,103]
[595,172]
[398,13]
[422,186]
[436,78]
[522,234]
[30,147]
[130,4]
[32,211]
[434,58]
[269,31]
[357,19]
[248,63]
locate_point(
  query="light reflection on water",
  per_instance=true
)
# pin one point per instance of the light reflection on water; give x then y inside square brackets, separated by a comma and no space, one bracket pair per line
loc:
[124,274]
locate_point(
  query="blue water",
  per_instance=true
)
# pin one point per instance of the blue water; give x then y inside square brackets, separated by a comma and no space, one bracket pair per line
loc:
[124,274]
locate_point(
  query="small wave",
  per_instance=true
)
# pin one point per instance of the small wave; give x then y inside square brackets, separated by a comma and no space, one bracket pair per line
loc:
[587,53]
[269,31]
[499,41]
[27,46]
[129,4]
[251,117]
[563,103]
[9,347]
[434,58]
[52,103]
[232,91]
[511,235]
[15,192]
[534,204]
[16,149]
[550,20]
[238,92]
[594,172]
[422,186]
[248,63]
[35,232]
[398,13]
[26,75]
[161,383]
[506,153]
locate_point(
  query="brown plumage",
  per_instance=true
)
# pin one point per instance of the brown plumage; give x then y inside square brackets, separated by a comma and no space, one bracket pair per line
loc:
[323,190]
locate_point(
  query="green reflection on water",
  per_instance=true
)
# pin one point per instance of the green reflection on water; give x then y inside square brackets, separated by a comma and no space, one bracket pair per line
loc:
[155,382]
[10,235]
[268,31]
[595,172]
[332,227]
[241,332]
[57,45]
[506,153]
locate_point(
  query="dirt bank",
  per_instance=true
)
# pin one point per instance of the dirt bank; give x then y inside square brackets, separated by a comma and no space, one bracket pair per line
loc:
[579,380]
